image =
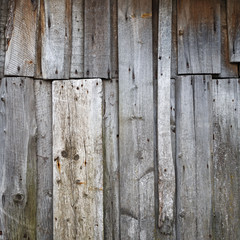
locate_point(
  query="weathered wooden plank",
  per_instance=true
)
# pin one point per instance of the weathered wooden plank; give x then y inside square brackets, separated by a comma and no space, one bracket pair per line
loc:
[55,18]
[18,159]
[136,121]
[78,159]
[3,21]
[193,153]
[97,35]
[233,26]
[166,170]
[174,64]
[111,169]
[199,40]
[43,96]
[21,38]
[226,109]
[77,39]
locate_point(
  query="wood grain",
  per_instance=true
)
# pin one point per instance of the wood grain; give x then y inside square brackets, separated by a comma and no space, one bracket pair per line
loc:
[18,156]
[78,159]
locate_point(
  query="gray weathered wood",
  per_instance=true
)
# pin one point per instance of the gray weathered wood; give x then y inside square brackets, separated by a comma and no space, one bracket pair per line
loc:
[21,38]
[136,119]
[97,47]
[111,169]
[199,40]
[233,25]
[18,159]
[174,61]
[55,59]
[43,95]
[166,170]
[193,157]
[77,39]
[78,159]
[226,114]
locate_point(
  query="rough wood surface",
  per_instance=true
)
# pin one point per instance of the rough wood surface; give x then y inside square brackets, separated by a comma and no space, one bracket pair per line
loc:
[199,40]
[18,157]
[111,165]
[166,170]
[233,20]
[97,47]
[21,38]
[55,57]
[136,119]
[193,157]
[226,194]
[78,159]
[77,57]
[43,96]
[174,61]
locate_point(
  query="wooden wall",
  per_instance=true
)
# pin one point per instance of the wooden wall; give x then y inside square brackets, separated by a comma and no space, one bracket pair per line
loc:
[119,119]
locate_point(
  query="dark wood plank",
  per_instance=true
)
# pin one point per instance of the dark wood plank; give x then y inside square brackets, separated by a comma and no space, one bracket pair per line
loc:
[199,37]
[18,159]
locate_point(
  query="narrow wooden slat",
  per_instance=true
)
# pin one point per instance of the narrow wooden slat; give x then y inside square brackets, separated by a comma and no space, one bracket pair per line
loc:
[233,25]
[43,95]
[18,159]
[166,170]
[97,48]
[136,119]
[77,39]
[174,58]
[111,171]
[21,38]
[226,113]
[199,41]
[55,57]
[78,159]
[193,153]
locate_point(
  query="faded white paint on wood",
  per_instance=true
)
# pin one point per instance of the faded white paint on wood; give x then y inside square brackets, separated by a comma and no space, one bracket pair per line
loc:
[233,24]
[18,159]
[21,38]
[166,170]
[226,193]
[78,159]
[111,169]
[55,58]
[193,157]
[136,137]
[199,40]
[43,95]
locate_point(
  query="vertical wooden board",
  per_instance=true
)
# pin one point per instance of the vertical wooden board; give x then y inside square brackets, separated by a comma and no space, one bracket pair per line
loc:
[3,21]
[97,47]
[55,56]
[199,37]
[174,50]
[21,38]
[233,22]
[111,164]
[78,159]
[77,39]
[228,69]
[226,209]
[43,95]
[136,121]
[18,159]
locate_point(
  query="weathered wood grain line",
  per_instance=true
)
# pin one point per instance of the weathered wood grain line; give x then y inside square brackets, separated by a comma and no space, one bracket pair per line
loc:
[20,59]
[43,96]
[111,164]
[166,170]
[226,194]
[55,56]
[233,25]
[18,156]
[174,51]
[97,35]
[136,120]
[78,159]
[199,40]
